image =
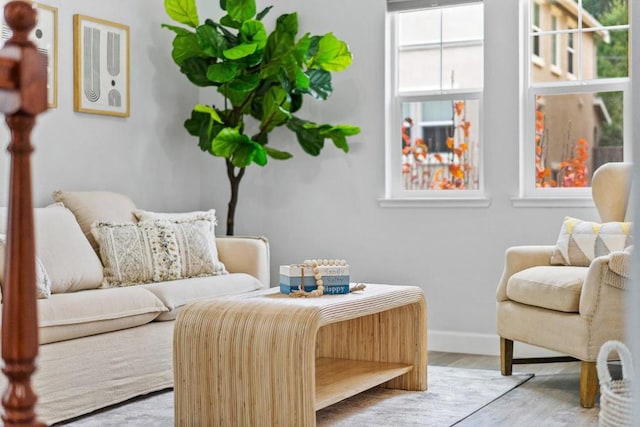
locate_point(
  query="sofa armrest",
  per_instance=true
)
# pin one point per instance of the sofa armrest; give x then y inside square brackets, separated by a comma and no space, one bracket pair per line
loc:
[518,258]
[245,254]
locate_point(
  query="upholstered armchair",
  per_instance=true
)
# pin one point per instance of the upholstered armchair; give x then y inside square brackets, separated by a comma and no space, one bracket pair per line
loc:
[565,308]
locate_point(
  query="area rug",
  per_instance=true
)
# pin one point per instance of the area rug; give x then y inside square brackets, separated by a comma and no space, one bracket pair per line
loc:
[453,394]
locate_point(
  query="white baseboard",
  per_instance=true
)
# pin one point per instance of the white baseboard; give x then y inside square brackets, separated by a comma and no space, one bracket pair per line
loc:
[485,344]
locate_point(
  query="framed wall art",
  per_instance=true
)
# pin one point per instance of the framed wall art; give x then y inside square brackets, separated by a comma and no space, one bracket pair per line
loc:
[101,66]
[45,37]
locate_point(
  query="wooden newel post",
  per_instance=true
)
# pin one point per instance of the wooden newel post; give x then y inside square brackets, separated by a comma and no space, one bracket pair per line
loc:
[23,80]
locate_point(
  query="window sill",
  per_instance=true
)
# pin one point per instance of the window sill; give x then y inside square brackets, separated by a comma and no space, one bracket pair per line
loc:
[552,202]
[435,202]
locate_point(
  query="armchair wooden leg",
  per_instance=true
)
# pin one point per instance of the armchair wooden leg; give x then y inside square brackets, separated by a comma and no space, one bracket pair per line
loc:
[506,356]
[588,384]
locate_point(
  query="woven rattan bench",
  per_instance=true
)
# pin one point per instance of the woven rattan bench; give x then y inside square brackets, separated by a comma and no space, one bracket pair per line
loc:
[274,360]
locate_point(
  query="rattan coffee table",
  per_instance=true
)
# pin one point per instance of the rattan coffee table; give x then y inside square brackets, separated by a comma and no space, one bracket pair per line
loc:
[268,359]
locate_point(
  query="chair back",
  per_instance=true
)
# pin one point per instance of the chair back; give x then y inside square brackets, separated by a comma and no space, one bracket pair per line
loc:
[610,188]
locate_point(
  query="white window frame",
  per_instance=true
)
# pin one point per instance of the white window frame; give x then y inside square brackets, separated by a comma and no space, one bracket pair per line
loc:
[563,196]
[395,195]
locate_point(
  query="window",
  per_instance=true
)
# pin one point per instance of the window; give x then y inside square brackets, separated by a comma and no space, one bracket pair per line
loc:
[434,94]
[535,29]
[575,118]
[555,45]
[570,51]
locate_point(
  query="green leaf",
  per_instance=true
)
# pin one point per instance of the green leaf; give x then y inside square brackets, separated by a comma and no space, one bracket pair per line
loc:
[240,51]
[319,83]
[338,134]
[180,31]
[302,80]
[185,47]
[244,83]
[241,10]
[274,112]
[302,48]
[211,41]
[235,97]
[222,72]
[227,21]
[205,109]
[226,142]
[253,31]
[196,71]
[277,154]
[194,123]
[263,13]
[333,54]
[280,43]
[288,23]
[308,135]
[249,151]
[183,11]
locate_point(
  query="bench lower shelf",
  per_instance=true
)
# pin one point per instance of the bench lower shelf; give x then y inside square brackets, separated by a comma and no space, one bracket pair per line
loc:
[338,379]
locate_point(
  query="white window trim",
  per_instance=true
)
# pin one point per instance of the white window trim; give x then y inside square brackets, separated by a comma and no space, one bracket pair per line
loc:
[394,195]
[529,195]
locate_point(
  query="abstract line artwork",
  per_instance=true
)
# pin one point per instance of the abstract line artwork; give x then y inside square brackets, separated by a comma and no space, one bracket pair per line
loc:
[45,37]
[91,65]
[101,60]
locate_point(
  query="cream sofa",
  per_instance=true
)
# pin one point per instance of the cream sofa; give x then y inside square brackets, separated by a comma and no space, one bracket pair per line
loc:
[100,346]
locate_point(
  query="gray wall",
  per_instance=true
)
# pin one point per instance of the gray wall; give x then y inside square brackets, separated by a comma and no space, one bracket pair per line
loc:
[148,155]
[327,206]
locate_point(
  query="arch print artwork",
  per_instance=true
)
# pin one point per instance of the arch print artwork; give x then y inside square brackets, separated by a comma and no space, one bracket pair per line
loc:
[101,66]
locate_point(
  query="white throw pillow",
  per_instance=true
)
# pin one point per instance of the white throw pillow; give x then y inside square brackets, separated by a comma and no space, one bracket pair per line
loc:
[43,282]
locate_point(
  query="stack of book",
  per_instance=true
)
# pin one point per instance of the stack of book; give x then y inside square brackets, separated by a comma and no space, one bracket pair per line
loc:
[335,278]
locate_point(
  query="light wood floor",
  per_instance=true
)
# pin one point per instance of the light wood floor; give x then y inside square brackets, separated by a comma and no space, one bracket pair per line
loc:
[550,399]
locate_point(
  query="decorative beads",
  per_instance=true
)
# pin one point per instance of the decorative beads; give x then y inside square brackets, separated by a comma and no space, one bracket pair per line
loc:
[314,264]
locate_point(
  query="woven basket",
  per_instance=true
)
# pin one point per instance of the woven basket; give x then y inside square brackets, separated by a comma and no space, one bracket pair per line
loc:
[616,405]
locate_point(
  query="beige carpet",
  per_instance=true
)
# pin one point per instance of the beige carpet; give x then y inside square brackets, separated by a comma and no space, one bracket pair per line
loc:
[453,394]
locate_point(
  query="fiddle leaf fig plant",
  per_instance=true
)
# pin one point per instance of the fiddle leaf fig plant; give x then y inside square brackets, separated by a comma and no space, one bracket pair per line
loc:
[262,78]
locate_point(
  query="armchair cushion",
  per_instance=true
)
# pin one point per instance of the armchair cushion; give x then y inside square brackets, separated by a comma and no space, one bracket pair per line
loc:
[580,242]
[553,287]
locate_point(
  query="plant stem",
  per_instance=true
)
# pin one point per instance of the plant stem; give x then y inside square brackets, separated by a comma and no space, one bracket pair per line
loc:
[234,180]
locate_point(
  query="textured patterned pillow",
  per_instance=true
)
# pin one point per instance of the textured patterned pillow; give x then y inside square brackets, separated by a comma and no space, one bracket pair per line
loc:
[137,253]
[43,282]
[580,241]
[195,233]
[197,247]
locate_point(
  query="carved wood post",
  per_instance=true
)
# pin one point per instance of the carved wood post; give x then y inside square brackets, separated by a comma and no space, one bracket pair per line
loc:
[23,73]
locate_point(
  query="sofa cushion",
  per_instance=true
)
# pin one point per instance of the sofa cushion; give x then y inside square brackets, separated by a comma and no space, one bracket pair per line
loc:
[91,206]
[137,253]
[175,294]
[78,314]
[553,287]
[64,251]
[43,282]
[580,242]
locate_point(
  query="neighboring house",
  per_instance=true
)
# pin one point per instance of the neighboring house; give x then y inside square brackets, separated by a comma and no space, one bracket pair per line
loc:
[555,58]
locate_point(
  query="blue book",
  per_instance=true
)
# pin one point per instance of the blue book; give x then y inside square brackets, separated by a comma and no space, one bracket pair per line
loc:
[311,281]
[328,289]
